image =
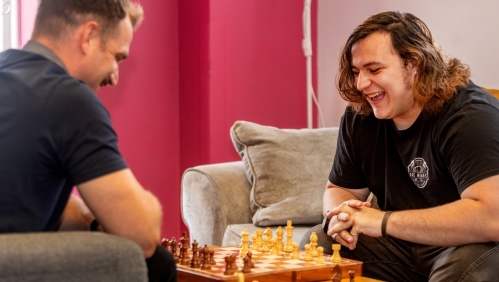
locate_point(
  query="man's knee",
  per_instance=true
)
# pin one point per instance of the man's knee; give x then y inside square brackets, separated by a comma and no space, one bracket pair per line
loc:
[324,240]
[473,262]
[161,266]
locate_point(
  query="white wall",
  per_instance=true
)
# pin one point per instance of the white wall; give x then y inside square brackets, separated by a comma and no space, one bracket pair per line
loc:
[468,30]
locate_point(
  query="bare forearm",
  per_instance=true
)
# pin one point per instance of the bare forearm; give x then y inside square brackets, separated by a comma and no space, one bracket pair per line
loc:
[454,224]
[334,196]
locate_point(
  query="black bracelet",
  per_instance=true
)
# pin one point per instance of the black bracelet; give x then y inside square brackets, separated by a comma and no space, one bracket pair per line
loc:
[384,222]
[94,225]
[325,223]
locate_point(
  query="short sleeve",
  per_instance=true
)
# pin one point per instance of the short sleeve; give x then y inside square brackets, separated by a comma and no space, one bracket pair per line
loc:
[470,145]
[85,141]
[346,171]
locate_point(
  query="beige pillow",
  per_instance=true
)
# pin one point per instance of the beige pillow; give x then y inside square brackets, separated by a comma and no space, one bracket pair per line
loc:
[288,170]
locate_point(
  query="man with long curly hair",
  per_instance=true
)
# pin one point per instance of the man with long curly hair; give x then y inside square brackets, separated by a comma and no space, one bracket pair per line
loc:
[421,137]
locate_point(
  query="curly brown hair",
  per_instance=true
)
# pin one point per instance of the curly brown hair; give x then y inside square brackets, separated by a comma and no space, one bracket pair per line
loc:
[438,78]
[55,17]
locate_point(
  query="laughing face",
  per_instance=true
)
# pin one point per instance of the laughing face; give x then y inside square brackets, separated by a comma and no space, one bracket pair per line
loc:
[385,79]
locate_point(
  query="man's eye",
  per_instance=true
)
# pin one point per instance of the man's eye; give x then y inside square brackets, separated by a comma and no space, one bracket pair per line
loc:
[375,70]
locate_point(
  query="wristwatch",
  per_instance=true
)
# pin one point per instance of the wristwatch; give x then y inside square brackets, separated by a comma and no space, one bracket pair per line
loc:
[325,223]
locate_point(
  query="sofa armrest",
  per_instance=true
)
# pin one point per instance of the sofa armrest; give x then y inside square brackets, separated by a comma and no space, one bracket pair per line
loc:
[214,196]
[70,256]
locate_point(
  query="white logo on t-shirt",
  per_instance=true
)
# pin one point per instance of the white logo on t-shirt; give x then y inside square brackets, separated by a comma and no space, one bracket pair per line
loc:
[418,171]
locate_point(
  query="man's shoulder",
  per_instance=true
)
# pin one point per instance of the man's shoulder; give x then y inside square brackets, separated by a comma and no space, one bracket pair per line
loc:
[474,95]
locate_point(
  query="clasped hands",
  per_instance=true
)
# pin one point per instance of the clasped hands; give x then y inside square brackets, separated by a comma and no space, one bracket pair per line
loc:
[349,220]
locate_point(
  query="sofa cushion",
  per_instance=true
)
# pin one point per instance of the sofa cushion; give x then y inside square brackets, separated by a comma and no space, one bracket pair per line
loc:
[288,170]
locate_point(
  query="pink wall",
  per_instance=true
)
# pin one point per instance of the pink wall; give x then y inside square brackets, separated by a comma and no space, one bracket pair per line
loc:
[239,60]
[144,108]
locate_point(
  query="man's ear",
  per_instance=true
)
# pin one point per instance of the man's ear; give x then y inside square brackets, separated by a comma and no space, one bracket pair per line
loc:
[411,66]
[89,36]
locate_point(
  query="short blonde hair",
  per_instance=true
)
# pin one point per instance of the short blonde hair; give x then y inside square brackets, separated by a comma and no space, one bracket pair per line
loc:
[56,17]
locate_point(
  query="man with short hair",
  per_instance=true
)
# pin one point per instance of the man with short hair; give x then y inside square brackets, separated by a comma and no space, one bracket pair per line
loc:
[55,133]
[421,137]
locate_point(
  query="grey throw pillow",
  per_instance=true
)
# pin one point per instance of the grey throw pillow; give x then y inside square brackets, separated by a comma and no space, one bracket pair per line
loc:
[288,170]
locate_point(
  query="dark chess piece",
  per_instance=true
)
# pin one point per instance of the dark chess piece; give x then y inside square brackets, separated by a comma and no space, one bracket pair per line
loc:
[229,264]
[184,249]
[195,263]
[165,244]
[337,274]
[249,254]
[246,266]
[351,273]
[206,265]
[173,250]
[212,258]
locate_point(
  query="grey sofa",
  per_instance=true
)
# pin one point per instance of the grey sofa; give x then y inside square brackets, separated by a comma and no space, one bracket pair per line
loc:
[70,256]
[282,175]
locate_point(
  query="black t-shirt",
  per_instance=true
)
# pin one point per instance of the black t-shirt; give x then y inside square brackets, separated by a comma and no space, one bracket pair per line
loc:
[54,133]
[429,164]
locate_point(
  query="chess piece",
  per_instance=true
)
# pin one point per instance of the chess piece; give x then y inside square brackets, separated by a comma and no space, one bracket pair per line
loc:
[336,258]
[295,254]
[313,244]
[320,256]
[308,255]
[165,244]
[250,262]
[244,243]
[351,273]
[288,248]
[229,265]
[206,265]
[195,263]
[265,246]
[246,267]
[279,233]
[184,249]
[212,258]
[337,274]
[268,233]
[173,249]
[259,239]
[274,250]
[254,245]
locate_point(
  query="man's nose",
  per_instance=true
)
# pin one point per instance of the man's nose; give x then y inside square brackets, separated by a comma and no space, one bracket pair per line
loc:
[114,77]
[363,81]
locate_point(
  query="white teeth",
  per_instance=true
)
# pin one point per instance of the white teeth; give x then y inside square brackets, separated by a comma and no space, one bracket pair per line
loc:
[374,94]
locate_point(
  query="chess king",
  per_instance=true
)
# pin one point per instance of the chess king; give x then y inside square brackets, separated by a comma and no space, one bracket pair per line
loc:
[417,134]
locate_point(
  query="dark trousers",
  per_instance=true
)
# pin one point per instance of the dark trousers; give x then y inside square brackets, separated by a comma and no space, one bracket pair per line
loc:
[161,266]
[398,260]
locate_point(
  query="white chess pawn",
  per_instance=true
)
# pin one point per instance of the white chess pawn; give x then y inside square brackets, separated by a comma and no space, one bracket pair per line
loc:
[308,255]
[275,248]
[254,245]
[295,254]
[320,257]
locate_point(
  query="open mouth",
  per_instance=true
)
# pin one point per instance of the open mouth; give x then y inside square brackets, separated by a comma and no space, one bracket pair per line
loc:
[376,96]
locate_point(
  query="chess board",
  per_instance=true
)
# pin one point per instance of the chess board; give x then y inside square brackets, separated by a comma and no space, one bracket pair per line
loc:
[269,268]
